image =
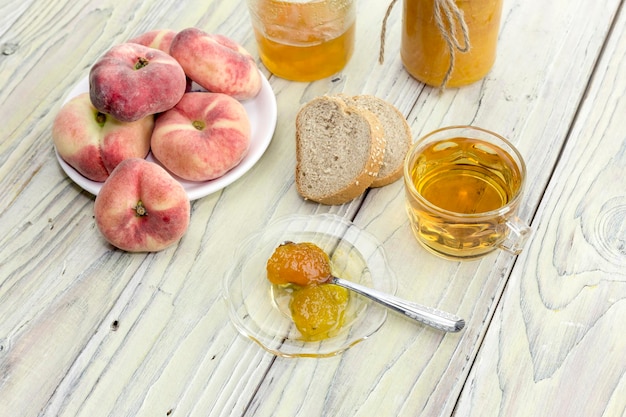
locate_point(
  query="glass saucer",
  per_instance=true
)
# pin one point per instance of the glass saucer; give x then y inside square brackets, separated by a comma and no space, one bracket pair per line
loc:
[260,310]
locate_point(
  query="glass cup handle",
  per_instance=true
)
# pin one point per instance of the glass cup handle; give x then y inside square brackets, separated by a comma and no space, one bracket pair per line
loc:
[518,234]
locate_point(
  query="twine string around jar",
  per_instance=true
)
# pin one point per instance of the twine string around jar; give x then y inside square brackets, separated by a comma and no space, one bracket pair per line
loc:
[447,17]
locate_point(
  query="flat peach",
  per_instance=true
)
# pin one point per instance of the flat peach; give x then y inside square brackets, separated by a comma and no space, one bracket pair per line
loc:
[132,81]
[141,207]
[94,143]
[202,137]
[159,39]
[217,63]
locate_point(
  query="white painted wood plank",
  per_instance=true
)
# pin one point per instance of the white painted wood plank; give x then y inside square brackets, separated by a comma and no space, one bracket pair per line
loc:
[556,346]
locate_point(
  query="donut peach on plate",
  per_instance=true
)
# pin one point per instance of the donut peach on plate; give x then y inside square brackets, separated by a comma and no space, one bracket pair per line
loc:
[94,143]
[131,81]
[202,137]
[217,63]
[158,39]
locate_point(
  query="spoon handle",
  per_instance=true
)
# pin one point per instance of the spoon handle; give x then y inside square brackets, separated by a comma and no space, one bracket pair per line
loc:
[427,315]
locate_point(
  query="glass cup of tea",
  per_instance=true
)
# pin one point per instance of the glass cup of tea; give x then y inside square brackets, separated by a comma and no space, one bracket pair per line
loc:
[464,187]
[304,40]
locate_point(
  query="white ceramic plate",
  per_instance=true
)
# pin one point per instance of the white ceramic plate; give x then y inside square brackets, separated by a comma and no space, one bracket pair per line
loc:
[260,310]
[262,113]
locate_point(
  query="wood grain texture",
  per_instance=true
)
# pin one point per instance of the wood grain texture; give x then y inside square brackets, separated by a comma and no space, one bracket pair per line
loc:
[557,344]
[86,330]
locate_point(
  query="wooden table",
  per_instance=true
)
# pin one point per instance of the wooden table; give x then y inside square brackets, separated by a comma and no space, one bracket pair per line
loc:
[86,330]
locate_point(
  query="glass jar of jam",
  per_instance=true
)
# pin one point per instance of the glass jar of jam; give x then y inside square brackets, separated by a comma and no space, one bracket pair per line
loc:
[449,43]
[304,40]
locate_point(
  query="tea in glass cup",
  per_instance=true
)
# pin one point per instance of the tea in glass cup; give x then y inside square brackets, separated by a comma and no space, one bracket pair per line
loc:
[304,40]
[463,190]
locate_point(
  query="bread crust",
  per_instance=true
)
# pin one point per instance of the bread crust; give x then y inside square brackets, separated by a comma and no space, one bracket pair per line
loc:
[391,170]
[371,166]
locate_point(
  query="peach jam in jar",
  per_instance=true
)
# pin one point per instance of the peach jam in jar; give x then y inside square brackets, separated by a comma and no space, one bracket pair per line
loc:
[426,48]
[304,40]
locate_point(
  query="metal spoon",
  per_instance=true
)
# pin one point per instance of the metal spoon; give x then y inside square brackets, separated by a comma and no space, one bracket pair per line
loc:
[427,315]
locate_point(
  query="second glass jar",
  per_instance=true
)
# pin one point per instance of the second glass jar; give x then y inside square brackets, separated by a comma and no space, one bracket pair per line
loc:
[426,55]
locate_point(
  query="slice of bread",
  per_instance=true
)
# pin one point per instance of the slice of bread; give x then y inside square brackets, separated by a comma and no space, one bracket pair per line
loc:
[398,135]
[339,150]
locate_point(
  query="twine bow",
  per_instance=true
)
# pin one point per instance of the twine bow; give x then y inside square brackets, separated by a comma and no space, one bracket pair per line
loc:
[448,17]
